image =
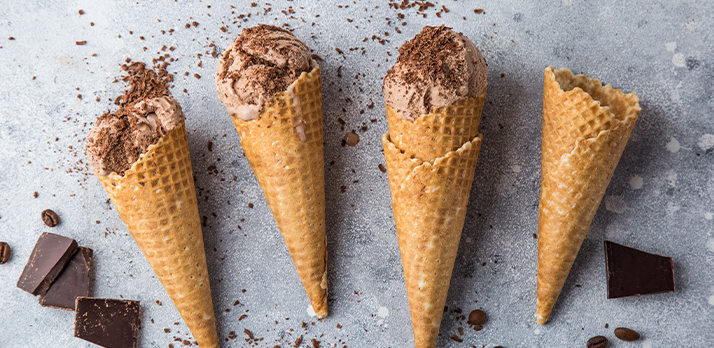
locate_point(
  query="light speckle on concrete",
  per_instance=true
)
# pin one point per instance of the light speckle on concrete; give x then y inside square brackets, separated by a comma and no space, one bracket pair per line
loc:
[706,142]
[636,182]
[678,60]
[671,177]
[615,204]
[673,145]
[631,45]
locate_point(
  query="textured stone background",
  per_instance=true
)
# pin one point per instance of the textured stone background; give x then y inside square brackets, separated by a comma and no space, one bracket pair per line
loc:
[660,199]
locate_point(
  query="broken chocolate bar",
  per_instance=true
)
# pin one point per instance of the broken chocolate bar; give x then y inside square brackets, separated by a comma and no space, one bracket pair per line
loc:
[48,258]
[108,323]
[631,272]
[72,282]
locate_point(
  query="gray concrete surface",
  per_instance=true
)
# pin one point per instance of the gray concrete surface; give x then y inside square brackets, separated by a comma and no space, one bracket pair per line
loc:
[660,199]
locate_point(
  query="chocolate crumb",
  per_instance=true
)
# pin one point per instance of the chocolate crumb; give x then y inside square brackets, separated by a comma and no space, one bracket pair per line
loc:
[35,194]
[249,334]
[382,168]
[81,43]
[477,317]
[351,138]
[81,12]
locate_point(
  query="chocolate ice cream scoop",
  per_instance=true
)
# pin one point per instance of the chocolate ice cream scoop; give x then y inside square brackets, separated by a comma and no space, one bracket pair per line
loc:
[263,61]
[119,138]
[434,69]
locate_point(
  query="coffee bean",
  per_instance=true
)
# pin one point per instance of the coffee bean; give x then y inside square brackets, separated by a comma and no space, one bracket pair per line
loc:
[50,218]
[626,334]
[477,317]
[597,342]
[5,252]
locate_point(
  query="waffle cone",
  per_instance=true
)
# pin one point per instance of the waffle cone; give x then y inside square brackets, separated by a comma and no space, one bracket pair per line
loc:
[430,177]
[445,129]
[156,198]
[284,148]
[585,129]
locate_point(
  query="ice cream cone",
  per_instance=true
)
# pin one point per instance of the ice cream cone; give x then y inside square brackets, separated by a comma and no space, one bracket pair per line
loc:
[284,148]
[431,164]
[156,198]
[585,129]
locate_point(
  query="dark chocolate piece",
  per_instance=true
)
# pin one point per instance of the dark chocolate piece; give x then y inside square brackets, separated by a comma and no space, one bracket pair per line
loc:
[634,272]
[48,258]
[72,282]
[108,323]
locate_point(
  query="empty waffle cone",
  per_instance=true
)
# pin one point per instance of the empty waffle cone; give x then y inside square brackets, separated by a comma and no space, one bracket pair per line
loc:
[431,169]
[585,129]
[284,148]
[156,198]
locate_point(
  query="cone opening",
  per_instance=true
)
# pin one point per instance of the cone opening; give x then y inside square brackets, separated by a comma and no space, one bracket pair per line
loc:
[621,105]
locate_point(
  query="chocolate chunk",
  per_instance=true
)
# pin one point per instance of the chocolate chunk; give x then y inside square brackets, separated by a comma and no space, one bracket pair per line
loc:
[597,342]
[108,323]
[634,272]
[477,317]
[626,334]
[48,258]
[71,283]
[50,218]
[351,139]
[5,252]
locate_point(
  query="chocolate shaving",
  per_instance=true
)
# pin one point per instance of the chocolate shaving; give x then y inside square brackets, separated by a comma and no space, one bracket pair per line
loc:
[118,145]
[426,54]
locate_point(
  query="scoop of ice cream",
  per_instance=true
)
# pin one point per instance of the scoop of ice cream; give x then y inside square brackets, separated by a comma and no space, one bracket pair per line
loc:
[119,138]
[262,62]
[434,69]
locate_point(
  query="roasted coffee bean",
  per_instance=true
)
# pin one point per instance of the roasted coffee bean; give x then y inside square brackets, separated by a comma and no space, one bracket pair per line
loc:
[50,218]
[5,252]
[597,342]
[626,334]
